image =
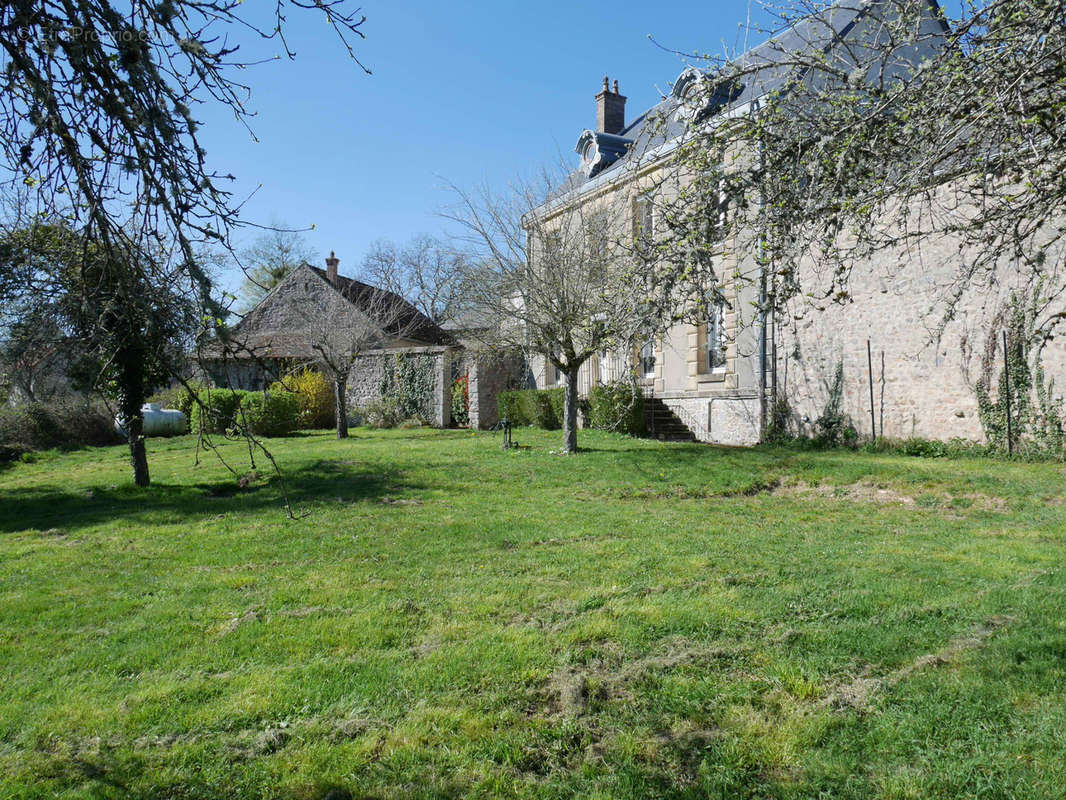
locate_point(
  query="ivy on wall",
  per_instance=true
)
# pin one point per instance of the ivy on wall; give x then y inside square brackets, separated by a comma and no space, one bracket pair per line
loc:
[407,381]
[1036,417]
[833,427]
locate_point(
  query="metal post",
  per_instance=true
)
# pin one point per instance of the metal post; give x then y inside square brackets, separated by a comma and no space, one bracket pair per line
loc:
[773,365]
[1006,385]
[870,373]
[881,406]
[762,353]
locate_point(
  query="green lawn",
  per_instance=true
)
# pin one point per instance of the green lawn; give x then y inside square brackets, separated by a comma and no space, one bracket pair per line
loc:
[446,619]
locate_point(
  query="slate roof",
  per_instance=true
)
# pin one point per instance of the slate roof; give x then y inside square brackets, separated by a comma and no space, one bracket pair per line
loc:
[766,68]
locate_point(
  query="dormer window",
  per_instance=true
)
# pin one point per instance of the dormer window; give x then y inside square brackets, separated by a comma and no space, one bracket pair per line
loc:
[701,94]
[599,150]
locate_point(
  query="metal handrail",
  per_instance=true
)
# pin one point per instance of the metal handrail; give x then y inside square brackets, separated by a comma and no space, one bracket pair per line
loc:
[701,431]
[691,422]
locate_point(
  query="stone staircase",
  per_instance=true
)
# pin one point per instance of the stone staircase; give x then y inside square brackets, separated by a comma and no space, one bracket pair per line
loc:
[664,424]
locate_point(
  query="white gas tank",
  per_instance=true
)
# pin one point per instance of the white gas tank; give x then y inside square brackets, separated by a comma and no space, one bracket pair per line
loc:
[158,421]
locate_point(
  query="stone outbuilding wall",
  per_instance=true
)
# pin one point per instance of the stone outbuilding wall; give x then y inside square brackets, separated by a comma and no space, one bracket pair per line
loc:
[490,373]
[377,371]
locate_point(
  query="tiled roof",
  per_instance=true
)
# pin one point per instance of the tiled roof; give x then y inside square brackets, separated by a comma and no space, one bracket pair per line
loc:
[272,340]
[408,321]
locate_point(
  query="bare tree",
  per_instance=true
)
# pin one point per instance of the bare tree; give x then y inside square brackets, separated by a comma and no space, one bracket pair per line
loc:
[270,259]
[33,351]
[97,121]
[425,270]
[349,321]
[566,276]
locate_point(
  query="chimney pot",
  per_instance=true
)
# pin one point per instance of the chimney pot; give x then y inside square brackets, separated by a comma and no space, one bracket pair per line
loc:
[331,267]
[610,109]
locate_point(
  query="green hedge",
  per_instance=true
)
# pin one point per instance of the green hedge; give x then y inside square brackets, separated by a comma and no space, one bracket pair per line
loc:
[541,408]
[617,407]
[265,413]
[179,397]
[217,410]
[557,398]
[271,413]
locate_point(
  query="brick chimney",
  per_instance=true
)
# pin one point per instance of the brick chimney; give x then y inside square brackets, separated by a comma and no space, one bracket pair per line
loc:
[331,267]
[610,109]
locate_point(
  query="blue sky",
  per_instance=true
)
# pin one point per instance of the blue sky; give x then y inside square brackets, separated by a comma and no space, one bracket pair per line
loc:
[462,92]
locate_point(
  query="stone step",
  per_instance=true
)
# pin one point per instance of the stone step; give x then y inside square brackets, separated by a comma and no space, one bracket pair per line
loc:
[664,424]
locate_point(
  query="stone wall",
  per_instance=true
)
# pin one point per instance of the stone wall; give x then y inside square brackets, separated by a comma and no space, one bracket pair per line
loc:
[930,372]
[365,380]
[727,418]
[491,373]
[368,377]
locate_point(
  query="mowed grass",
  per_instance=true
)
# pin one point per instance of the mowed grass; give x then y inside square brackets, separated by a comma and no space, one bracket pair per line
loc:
[446,619]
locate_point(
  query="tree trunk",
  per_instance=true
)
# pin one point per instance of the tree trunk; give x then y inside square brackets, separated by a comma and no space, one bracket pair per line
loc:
[570,411]
[131,359]
[340,403]
[138,454]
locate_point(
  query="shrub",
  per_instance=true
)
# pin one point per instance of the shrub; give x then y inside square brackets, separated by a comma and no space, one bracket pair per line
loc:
[542,405]
[536,407]
[216,411]
[509,408]
[557,398]
[617,406]
[61,424]
[314,393]
[383,413]
[833,428]
[264,413]
[461,400]
[270,413]
[179,397]
[779,426]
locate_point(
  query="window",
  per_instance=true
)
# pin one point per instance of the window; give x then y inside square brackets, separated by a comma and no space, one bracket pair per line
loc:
[597,236]
[606,373]
[713,341]
[554,374]
[647,360]
[644,221]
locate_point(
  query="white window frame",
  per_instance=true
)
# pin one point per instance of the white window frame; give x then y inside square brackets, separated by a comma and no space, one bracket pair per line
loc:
[647,353]
[715,341]
[644,219]
[603,366]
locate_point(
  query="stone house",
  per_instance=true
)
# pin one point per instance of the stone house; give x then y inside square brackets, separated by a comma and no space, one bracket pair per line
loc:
[707,375]
[308,314]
